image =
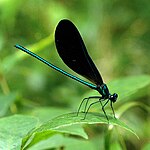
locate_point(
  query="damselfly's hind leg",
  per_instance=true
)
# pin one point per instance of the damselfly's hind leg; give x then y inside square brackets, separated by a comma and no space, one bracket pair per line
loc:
[103,106]
[89,108]
[87,100]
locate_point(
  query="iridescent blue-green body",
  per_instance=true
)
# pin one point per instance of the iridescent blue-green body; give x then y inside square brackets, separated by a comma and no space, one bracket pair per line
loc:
[103,90]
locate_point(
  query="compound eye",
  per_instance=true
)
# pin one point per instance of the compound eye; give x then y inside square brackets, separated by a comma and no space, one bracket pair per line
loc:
[115,95]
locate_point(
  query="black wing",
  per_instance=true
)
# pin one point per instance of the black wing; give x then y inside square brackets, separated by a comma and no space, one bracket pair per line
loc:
[72,50]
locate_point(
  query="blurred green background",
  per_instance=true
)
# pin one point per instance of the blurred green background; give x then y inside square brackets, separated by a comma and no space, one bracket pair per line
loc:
[116,34]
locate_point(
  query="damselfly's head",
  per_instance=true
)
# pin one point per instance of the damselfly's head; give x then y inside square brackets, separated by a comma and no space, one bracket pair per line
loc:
[113,97]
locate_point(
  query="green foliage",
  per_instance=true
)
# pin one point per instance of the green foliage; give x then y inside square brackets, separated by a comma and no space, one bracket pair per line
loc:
[16,128]
[6,102]
[13,129]
[68,124]
[116,34]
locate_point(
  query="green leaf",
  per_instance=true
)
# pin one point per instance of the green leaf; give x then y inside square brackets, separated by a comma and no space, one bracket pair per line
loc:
[125,87]
[63,122]
[46,113]
[58,141]
[146,146]
[123,108]
[13,129]
[37,136]
[5,102]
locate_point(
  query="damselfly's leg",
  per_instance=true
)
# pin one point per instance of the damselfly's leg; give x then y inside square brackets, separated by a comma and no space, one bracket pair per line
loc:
[92,97]
[81,104]
[104,109]
[112,109]
[89,108]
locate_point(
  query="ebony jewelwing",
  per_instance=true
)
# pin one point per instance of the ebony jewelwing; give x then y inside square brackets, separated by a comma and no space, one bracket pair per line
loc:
[71,49]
